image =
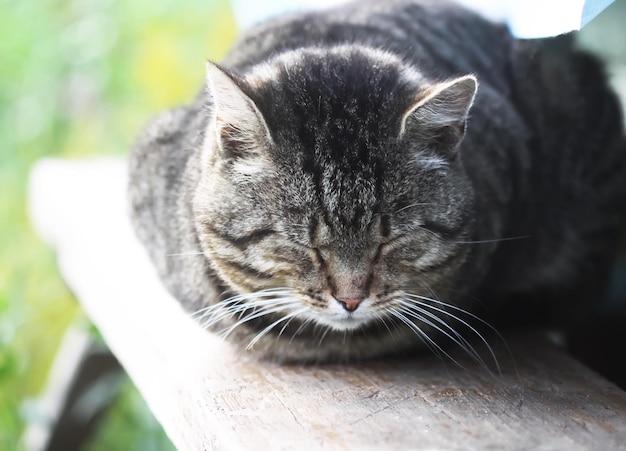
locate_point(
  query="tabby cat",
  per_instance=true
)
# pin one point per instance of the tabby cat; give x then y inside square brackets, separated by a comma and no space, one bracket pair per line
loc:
[374,178]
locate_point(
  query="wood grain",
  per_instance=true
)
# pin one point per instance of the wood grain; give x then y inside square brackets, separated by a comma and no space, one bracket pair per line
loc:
[207,395]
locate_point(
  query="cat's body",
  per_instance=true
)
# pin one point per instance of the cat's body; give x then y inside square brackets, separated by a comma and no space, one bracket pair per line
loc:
[332,168]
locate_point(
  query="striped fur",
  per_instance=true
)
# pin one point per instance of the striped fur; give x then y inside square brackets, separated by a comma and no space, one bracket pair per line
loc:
[351,182]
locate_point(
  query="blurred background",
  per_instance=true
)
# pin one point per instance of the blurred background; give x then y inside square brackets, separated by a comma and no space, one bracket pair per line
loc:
[78,78]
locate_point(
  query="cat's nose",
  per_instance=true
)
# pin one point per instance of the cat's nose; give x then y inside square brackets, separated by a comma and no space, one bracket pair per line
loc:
[349,304]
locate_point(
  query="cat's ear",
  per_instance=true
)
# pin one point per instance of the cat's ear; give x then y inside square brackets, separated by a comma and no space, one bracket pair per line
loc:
[439,117]
[239,127]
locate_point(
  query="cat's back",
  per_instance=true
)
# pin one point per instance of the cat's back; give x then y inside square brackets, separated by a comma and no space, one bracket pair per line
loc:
[440,37]
[158,168]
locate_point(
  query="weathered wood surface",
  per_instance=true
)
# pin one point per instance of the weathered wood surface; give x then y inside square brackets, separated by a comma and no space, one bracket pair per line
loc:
[208,396]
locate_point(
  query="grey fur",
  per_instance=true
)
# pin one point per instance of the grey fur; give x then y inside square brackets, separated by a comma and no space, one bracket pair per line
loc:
[330,155]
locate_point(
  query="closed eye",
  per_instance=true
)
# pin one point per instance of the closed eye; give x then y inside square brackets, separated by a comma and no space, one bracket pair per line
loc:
[386,246]
[242,241]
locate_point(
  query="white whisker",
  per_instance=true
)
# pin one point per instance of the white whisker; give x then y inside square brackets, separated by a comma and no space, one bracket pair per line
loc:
[419,300]
[496,240]
[184,254]
[242,308]
[304,324]
[429,342]
[452,306]
[420,310]
[252,316]
[282,329]
[381,318]
[326,330]
[418,313]
[267,329]
[236,299]
[435,234]
[419,204]
[245,313]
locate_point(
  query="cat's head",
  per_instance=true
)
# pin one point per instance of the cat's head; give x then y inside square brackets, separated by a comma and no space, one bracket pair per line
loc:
[331,192]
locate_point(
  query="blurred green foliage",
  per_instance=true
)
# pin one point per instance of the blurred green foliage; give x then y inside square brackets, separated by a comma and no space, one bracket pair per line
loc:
[79,77]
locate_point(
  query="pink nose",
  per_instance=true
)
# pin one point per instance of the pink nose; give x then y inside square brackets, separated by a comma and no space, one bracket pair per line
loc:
[349,304]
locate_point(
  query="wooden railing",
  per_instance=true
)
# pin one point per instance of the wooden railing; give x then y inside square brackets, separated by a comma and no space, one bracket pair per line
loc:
[208,395]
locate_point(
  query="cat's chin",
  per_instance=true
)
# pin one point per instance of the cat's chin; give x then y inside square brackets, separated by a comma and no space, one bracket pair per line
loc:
[336,346]
[347,323]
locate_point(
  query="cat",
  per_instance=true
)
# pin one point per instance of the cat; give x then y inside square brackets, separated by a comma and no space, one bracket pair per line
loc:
[382,176]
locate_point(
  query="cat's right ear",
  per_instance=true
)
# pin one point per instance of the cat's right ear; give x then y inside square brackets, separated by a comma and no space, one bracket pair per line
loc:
[239,127]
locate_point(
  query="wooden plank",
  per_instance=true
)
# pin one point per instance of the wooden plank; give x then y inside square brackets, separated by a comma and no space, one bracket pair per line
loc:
[208,395]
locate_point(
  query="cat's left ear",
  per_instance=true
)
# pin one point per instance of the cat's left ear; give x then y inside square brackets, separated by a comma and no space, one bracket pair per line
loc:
[439,117]
[240,129]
